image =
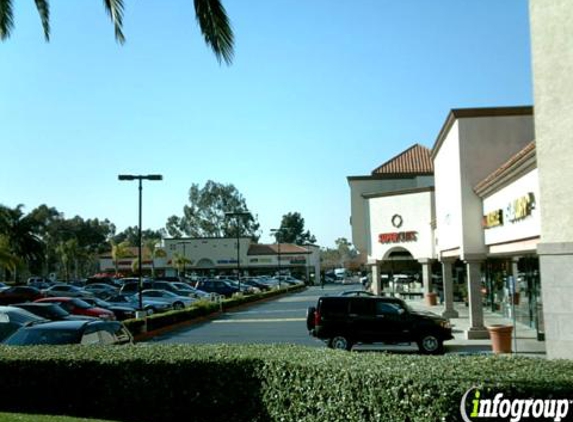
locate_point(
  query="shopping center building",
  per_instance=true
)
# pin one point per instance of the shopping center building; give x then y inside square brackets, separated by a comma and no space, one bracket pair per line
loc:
[462,217]
[218,256]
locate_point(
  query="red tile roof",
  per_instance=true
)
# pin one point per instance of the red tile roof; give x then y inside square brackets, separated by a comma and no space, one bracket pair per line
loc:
[415,160]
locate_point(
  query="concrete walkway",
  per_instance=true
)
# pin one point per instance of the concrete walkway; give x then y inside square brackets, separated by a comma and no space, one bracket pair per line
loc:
[527,343]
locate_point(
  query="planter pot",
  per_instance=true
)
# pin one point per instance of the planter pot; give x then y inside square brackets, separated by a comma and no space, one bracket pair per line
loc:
[500,338]
[431,299]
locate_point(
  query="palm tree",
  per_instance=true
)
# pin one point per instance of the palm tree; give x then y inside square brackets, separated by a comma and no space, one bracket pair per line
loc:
[68,251]
[7,259]
[179,261]
[118,251]
[210,14]
[21,235]
[154,252]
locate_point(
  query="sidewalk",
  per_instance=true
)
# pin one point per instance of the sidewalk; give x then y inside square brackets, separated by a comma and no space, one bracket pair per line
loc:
[527,343]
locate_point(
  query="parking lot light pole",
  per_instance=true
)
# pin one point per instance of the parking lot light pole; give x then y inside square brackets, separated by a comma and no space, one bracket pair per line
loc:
[237,215]
[140,178]
[277,233]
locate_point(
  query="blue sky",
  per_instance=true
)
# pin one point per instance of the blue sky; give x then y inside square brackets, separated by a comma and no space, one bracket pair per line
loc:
[319,90]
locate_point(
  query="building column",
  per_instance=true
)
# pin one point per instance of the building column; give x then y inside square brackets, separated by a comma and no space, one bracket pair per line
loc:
[448,286]
[477,329]
[426,274]
[376,285]
[515,271]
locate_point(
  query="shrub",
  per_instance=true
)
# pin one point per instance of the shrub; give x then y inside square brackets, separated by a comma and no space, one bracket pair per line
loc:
[261,383]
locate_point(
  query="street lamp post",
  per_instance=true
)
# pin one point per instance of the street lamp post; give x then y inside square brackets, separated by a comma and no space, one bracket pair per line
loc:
[140,178]
[277,234]
[237,215]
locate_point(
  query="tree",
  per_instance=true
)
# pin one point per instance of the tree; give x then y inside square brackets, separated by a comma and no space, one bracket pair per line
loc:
[179,262]
[119,251]
[205,215]
[7,259]
[20,232]
[291,230]
[210,14]
[338,257]
[154,252]
[131,235]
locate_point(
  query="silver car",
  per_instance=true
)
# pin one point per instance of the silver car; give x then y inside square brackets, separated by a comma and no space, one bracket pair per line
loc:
[150,306]
[178,302]
[66,290]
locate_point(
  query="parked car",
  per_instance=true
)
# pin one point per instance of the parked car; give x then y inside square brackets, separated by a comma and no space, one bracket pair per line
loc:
[177,302]
[184,289]
[121,312]
[359,293]
[255,283]
[132,287]
[244,288]
[150,306]
[17,294]
[65,290]
[344,321]
[221,287]
[95,332]
[12,318]
[76,306]
[102,290]
[3,286]
[51,311]
[103,280]
[38,282]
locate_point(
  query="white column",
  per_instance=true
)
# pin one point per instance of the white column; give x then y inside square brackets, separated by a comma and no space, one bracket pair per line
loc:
[376,285]
[448,285]
[477,329]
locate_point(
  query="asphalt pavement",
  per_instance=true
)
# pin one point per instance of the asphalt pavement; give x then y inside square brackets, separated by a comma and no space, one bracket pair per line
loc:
[282,320]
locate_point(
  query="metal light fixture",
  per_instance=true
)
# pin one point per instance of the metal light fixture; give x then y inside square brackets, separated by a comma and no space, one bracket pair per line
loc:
[140,178]
[237,215]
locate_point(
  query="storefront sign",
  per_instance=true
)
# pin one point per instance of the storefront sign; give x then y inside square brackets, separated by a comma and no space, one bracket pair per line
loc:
[516,210]
[398,237]
[520,208]
[493,219]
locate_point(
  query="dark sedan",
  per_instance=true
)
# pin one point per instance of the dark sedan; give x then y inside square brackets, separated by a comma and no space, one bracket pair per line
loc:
[121,312]
[18,294]
[51,311]
[71,332]
[12,318]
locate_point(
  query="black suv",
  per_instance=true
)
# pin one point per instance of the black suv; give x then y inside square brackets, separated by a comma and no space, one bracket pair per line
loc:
[344,321]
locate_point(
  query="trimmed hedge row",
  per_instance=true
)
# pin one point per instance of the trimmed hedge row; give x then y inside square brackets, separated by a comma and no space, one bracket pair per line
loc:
[201,309]
[262,383]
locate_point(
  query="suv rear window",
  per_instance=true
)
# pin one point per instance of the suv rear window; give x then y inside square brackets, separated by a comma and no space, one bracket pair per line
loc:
[360,306]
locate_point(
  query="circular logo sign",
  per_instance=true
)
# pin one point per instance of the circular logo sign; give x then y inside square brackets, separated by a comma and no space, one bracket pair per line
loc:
[397,221]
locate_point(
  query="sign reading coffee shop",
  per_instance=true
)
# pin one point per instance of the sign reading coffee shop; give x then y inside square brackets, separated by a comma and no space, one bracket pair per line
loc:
[516,210]
[398,237]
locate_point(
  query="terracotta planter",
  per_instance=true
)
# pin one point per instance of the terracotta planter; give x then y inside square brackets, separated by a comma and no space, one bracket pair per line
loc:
[431,299]
[500,338]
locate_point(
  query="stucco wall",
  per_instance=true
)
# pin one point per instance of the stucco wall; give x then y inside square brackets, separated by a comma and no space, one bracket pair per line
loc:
[552,51]
[448,192]
[416,212]
[360,216]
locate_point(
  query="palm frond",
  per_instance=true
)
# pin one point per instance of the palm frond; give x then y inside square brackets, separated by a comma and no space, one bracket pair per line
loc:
[6,19]
[43,7]
[114,8]
[216,28]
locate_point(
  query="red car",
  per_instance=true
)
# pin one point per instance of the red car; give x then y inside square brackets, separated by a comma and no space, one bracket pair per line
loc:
[19,294]
[77,306]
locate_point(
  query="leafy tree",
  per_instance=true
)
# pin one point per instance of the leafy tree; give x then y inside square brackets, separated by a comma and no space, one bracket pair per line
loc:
[210,14]
[131,235]
[179,262]
[20,232]
[7,259]
[338,257]
[291,230]
[205,214]
[151,245]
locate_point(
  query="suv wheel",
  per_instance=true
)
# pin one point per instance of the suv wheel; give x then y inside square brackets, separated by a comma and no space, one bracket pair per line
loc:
[178,306]
[430,344]
[310,317]
[340,343]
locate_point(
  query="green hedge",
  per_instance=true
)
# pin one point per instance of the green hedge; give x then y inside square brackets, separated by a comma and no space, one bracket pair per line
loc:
[200,309]
[262,383]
